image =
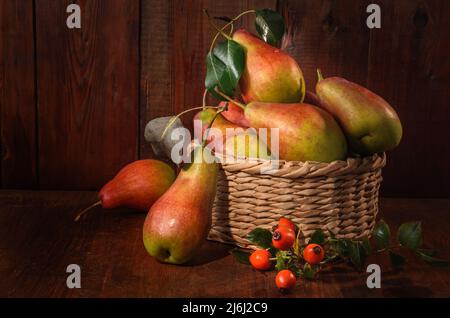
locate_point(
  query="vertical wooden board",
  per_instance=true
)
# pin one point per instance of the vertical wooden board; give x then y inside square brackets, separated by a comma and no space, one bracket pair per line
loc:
[330,35]
[156,84]
[87,81]
[175,38]
[409,67]
[17,95]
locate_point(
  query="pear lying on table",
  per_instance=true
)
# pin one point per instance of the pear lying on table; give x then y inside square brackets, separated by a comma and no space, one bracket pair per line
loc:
[270,75]
[179,222]
[137,186]
[369,122]
[306,132]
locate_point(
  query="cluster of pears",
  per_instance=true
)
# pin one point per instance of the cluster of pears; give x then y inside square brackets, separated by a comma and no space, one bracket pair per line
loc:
[342,116]
[345,117]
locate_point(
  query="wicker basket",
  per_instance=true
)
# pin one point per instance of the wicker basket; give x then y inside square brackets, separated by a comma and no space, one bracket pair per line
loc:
[340,197]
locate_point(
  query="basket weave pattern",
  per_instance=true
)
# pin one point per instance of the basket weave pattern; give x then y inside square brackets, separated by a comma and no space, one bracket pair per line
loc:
[339,197]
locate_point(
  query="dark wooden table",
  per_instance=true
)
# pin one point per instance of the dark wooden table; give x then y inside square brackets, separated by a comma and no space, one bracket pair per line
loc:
[38,240]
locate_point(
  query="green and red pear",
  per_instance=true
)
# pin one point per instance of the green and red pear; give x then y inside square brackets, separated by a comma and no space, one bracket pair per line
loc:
[137,185]
[179,222]
[306,132]
[370,124]
[270,75]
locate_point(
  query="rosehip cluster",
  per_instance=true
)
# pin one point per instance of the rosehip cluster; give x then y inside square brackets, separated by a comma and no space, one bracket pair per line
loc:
[283,239]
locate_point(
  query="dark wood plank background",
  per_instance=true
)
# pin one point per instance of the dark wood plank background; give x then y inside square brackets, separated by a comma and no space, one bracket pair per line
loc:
[74,103]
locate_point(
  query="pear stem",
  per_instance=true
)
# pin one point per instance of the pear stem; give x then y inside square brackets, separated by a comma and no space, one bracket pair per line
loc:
[319,75]
[230,99]
[221,109]
[205,92]
[227,25]
[174,118]
[231,30]
[80,214]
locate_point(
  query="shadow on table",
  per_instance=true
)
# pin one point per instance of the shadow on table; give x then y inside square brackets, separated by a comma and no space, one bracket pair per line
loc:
[209,252]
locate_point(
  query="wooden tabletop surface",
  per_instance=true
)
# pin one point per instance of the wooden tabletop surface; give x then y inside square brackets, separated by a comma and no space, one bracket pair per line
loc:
[38,240]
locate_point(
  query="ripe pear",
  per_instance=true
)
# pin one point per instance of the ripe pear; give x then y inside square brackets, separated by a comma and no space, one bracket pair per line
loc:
[234,114]
[306,132]
[178,223]
[369,122]
[270,75]
[136,186]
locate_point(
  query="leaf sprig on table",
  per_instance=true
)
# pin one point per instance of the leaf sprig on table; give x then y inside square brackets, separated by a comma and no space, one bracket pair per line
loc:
[341,250]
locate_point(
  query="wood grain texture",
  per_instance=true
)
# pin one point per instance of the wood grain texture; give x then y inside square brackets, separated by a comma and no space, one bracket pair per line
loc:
[409,67]
[330,35]
[38,239]
[156,84]
[17,95]
[88,86]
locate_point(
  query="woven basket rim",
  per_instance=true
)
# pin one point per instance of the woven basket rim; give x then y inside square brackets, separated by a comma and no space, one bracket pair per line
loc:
[306,169]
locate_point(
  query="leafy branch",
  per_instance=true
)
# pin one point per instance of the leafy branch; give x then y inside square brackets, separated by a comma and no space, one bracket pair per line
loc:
[341,250]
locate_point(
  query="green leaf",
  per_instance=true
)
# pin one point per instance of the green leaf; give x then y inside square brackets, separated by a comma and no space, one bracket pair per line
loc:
[410,235]
[224,67]
[260,237]
[308,271]
[241,256]
[232,55]
[382,234]
[342,247]
[366,245]
[270,26]
[357,254]
[396,259]
[433,261]
[318,237]
[215,69]
[281,261]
